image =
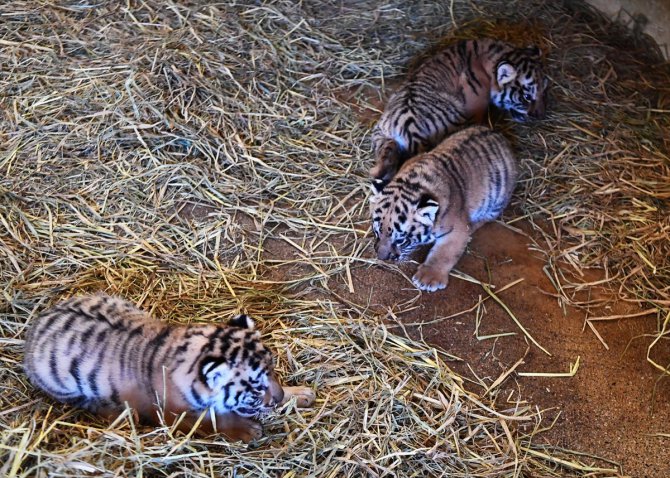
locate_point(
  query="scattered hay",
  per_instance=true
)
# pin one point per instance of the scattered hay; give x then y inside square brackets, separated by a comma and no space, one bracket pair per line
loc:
[386,406]
[163,151]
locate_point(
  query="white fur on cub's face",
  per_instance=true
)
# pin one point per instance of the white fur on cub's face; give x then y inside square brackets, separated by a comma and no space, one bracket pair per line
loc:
[242,401]
[238,377]
[396,239]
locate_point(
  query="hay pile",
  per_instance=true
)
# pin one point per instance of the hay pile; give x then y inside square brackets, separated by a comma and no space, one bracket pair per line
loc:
[386,406]
[173,152]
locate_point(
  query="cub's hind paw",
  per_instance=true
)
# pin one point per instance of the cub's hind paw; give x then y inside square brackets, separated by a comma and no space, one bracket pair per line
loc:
[430,279]
[304,396]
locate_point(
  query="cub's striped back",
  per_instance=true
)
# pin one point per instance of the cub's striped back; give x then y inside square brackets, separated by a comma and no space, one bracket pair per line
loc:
[453,89]
[441,198]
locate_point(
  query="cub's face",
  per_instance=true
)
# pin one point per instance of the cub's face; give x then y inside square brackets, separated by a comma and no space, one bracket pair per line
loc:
[521,85]
[400,221]
[241,376]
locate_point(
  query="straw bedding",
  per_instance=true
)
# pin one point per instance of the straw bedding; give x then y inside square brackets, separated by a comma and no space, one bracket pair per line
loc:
[202,159]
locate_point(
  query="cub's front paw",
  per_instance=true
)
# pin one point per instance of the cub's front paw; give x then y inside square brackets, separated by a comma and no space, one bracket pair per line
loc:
[430,278]
[304,396]
[236,428]
[253,431]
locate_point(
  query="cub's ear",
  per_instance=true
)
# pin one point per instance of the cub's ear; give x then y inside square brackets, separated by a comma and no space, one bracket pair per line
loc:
[242,321]
[214,372]
[534,51]
[505,73]
[427,209]
[377,185]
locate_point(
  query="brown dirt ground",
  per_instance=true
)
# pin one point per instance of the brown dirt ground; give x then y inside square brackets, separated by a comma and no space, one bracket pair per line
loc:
[611,407]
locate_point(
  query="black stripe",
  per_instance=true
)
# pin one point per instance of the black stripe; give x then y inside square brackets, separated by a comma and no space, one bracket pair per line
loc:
[125,357]
[74,371]
[53,367]
[153,346]
[92,377]
[196,397]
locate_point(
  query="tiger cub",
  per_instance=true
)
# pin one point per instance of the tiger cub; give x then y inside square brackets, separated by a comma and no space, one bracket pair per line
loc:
[452,89]
[97,352]
[442,197]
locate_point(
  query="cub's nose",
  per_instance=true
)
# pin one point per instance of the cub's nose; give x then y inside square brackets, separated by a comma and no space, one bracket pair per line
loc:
[386,253]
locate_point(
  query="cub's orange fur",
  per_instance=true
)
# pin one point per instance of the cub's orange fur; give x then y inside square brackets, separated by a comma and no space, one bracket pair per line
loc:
[100,352]
[441,198]
[453,89]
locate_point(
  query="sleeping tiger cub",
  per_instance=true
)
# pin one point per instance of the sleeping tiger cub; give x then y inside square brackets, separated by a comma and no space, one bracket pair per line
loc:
[97,352]
[442,197]
[452,89]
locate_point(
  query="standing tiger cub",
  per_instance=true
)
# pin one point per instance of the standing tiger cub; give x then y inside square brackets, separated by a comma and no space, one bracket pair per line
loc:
[442,197]
[453,89]
[97,352]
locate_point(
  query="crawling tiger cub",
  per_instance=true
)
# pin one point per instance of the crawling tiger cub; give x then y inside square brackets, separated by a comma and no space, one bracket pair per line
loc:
[442,197]
[452,89]
[97,352]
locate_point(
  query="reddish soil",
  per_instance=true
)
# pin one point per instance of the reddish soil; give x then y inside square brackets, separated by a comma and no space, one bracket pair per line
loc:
[613,407]
[614,404]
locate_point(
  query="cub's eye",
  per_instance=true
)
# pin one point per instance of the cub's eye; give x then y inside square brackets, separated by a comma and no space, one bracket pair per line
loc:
[527,97]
